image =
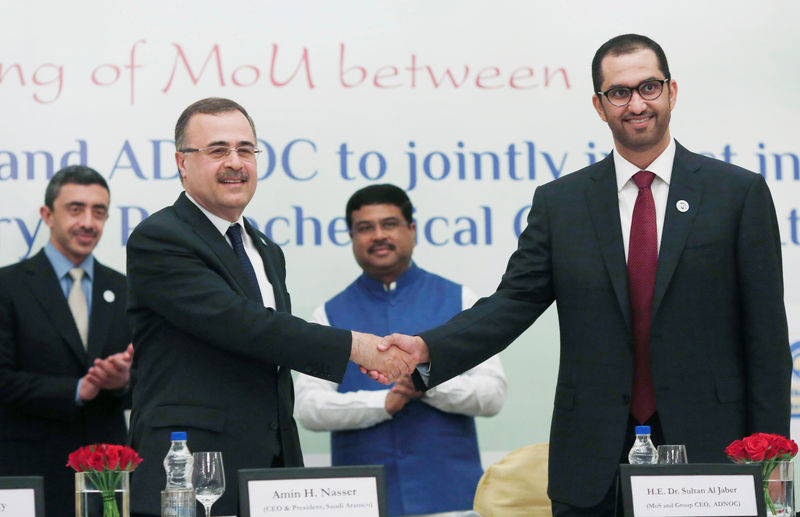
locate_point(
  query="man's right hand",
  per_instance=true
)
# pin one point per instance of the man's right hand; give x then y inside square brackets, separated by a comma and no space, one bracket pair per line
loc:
[387,365]
[414,346]
[87,391]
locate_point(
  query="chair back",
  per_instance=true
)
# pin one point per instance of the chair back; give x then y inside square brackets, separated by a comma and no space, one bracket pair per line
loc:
[516,486]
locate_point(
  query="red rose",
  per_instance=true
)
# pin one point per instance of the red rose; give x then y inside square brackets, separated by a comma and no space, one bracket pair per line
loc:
[785,448]
[776,445]
[128,459]
[780,448]
[82,458]
[735,451]
[97,460]
[77,460]
[756,446]
[792,448]
[103,456]
[113,456]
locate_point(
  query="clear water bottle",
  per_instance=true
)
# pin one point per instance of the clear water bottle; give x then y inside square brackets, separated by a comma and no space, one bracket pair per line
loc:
[177,499]
[178,463]
[643,451]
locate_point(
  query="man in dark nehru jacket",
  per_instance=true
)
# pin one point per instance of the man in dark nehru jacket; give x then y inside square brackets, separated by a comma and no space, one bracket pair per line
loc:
[419,438]
[211,321]
[65,352]
[665,267]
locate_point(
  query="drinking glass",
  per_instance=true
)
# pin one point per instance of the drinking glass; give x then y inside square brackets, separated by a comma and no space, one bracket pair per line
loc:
[672,454]
[208,478]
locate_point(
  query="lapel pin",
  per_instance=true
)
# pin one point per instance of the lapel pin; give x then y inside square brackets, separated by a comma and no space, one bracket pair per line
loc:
[108,296]
[682,206]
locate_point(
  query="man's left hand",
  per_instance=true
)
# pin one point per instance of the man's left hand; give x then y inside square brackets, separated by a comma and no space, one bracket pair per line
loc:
[113,372]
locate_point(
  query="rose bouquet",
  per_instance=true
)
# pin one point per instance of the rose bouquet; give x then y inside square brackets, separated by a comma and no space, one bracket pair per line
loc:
[767,449]
[104,464]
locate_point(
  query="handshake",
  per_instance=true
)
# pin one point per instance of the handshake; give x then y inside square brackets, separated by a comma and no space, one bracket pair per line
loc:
[389,358]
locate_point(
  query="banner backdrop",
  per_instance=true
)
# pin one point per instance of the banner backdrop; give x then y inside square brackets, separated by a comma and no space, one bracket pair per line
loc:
[466,105]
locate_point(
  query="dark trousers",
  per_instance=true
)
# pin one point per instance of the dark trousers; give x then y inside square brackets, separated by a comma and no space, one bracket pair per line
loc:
[607,506]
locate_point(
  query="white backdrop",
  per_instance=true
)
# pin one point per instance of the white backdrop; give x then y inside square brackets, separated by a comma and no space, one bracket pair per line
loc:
[468,105]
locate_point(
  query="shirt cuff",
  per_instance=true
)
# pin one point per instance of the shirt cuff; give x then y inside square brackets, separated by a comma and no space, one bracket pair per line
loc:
[424,370]
[78,401]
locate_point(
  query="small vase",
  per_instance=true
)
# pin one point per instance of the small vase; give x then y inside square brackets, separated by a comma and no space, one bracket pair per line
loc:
[94,499]
[779,490]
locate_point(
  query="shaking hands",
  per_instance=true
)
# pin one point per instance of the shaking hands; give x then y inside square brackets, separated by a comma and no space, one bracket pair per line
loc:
[389,358]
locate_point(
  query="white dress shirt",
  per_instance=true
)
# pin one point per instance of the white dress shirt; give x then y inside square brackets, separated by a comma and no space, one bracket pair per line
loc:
[267,294]
[627,189]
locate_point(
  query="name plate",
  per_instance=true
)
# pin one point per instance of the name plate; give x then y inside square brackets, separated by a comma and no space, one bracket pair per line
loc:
[313,492]
[692,490]
[21,496]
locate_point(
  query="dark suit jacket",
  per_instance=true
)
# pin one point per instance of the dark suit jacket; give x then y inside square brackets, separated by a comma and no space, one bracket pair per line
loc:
[207,352]
[719,343]
[41,360]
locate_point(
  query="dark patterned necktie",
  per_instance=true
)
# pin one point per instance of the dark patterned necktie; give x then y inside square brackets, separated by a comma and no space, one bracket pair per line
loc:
[642,259]
[235,234]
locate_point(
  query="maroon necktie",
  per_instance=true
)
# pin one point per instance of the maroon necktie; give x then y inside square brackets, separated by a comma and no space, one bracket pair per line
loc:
[642,259]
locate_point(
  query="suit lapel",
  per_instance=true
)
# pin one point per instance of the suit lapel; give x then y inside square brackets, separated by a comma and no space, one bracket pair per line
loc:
[281,302]
[603,201]
[46,289]
[100,313]
[215,241]
[270,267]
[684,186]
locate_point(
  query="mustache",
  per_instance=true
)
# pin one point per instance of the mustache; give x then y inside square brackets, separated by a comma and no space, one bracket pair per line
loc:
[377,244]
[645,113]
[232,175]
[82,231]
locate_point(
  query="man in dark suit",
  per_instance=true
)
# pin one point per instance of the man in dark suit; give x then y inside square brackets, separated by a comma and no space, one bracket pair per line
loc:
[65,351]
[211,319]
[689,336]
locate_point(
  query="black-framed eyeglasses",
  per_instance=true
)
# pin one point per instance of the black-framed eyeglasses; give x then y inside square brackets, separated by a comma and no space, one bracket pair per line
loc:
[220,152]
[649,90]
